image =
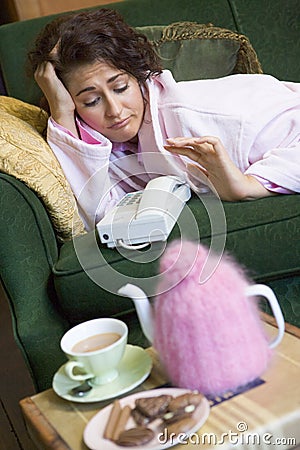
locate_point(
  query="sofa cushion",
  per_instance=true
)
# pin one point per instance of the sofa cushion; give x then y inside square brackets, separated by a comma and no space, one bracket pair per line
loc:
[87,275]
[25,155]
[196,51]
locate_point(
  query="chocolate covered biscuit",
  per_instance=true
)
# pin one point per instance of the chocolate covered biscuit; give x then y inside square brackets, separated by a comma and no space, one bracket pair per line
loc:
[135,437]
[175,416]
[180,402]
[181,426]
[153,406]
[139,417]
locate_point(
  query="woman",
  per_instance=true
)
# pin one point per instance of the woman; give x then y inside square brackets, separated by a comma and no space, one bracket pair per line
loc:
[118,120]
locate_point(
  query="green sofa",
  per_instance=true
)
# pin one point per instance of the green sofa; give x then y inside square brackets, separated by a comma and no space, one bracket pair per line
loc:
[52,285]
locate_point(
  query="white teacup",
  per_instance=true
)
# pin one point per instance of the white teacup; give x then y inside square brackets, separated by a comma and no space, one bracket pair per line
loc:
[95,349]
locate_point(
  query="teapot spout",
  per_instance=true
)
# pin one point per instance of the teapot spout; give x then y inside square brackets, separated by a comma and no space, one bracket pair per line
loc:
[142,306]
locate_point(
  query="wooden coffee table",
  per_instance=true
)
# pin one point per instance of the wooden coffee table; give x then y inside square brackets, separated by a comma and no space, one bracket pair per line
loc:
[268,414]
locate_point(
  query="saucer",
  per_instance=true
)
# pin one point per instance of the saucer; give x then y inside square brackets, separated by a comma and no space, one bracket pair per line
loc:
[134,368]
[93,432]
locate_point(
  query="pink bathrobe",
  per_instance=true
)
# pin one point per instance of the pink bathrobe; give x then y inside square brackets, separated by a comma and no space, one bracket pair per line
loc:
[256,117]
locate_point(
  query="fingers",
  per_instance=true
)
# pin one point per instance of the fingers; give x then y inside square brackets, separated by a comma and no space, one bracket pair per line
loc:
[197,149]
[45,71]
[207,143]
[211,144]
[48,80]
[59,99]
[184,150]
[39,71]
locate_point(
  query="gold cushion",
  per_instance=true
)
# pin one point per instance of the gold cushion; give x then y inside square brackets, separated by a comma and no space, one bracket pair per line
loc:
[25,154]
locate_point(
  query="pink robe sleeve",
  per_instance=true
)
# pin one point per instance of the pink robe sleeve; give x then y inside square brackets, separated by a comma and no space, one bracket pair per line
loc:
[273,187]
[86,167]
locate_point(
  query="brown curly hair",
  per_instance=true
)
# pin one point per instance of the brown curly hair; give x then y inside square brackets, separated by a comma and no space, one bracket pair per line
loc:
[95,35]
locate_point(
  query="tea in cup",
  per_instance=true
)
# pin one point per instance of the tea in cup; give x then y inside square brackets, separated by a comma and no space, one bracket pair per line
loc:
[94,349]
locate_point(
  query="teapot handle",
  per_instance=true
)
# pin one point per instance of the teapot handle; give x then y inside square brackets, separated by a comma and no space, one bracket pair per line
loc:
[266,291]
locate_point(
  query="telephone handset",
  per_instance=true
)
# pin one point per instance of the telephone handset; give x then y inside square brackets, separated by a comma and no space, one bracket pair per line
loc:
[145,216]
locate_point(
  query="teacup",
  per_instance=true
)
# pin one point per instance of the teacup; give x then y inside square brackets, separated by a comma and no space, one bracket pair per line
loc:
[95,349]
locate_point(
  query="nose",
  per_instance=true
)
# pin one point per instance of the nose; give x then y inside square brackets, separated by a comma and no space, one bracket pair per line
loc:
[113,107]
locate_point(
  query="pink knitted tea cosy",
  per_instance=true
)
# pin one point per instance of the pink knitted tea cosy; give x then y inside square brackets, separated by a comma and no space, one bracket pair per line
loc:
[209,335]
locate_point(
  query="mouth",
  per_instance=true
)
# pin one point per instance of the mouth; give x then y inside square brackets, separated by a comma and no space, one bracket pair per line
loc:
[117,125]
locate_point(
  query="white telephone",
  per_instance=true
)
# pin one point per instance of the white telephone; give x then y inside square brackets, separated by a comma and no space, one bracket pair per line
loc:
[145,216]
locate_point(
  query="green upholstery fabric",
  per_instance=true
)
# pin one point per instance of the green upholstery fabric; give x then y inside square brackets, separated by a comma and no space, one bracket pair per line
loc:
[190,61]
[27,252]
[288,291]
[46,285]
[256,234]
[37,322]
[277,46]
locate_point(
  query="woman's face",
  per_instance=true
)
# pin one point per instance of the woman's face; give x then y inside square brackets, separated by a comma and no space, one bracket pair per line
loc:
[109,100]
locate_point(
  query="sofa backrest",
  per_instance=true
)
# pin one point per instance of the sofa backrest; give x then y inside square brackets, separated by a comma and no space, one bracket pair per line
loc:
[271,27]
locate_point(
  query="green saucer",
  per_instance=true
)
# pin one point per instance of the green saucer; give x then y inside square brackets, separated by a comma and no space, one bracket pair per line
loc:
[133,370]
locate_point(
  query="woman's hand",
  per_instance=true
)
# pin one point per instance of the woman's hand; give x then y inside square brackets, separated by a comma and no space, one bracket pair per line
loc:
[229,182]
[60,102]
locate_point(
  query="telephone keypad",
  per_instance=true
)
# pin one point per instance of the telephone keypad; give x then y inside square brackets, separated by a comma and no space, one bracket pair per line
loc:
[131,199]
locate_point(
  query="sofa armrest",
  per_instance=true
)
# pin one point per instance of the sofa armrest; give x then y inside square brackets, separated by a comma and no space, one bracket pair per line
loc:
[28,250]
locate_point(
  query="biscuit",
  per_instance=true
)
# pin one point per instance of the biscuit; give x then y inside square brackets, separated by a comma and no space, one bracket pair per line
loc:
[175,416]
[135,437]
[140,418]
[112,420]
[122,421]
[180,426]
[180,402]
[153,407]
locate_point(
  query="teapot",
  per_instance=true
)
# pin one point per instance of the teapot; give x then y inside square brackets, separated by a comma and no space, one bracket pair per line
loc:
[209,335]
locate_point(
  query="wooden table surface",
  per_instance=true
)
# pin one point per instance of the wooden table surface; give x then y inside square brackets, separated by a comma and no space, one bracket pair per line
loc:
[269,411]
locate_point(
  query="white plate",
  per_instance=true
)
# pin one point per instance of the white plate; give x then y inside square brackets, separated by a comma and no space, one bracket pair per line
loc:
[93,433]
[133,370]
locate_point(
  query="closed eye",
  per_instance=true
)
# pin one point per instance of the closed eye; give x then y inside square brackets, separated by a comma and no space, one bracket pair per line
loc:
[93,102]
[97,100]
[121,89]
